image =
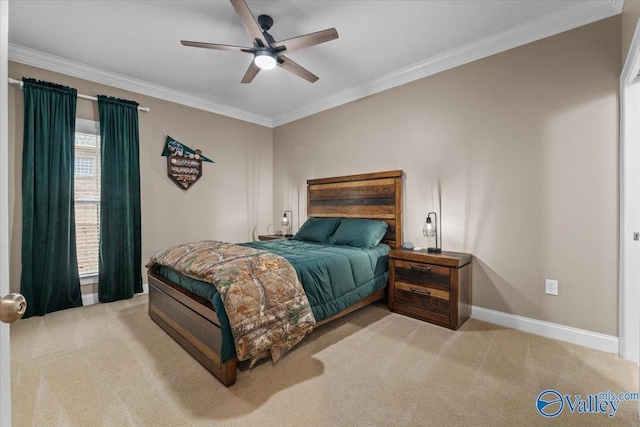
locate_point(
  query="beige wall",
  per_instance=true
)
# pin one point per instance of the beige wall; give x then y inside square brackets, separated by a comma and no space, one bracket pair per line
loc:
[233,196]
[520,150]
[517,152]
[630,16]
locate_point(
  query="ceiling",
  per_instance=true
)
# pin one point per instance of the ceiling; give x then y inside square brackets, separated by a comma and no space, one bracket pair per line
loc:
[135,45]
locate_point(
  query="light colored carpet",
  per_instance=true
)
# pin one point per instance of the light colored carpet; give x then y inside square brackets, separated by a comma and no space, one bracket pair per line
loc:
[109,364]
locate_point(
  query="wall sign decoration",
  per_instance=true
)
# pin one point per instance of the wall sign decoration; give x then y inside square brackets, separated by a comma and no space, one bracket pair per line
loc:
[184,165]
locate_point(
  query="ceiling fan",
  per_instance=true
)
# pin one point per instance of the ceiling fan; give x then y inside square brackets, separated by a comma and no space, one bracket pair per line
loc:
[267,53]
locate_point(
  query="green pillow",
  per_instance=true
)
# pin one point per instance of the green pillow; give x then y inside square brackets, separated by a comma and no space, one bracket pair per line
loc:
[362,233]
[317,229]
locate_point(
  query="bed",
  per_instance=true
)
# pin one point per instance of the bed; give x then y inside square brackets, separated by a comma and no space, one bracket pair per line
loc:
[200,326]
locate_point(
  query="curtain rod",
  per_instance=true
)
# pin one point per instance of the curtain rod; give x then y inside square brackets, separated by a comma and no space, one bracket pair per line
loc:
[91,98]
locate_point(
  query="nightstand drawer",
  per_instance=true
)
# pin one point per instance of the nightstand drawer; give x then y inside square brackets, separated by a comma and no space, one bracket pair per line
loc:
[422,301]
[417,273]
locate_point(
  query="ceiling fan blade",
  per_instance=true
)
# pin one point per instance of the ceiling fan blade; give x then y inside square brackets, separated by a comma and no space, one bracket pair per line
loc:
[218,46]
[296,69]
[252,71]
[249,22]
[307,40]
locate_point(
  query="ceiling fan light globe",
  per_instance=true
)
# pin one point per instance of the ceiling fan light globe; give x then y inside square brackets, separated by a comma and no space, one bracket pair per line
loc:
[265,59]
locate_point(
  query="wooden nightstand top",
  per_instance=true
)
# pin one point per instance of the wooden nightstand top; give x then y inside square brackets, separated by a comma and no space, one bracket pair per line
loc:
[449,259]
[271,236]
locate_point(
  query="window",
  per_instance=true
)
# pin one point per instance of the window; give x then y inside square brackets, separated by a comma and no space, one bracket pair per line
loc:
[87,196]
[84,165]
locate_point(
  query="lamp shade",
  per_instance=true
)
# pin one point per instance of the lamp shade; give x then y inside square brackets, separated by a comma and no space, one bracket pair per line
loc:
[287,221]
[429,228]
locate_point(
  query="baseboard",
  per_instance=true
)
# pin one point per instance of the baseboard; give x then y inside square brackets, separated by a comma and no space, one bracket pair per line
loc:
[88,299]
[581,337]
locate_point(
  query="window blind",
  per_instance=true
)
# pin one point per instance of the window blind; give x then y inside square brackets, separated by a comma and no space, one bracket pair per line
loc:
[87,201]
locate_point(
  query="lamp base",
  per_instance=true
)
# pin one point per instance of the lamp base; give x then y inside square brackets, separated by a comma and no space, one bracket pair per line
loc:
[434,250]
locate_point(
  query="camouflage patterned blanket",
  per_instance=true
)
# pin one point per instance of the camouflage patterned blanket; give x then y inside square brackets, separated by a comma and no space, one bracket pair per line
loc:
[266,304]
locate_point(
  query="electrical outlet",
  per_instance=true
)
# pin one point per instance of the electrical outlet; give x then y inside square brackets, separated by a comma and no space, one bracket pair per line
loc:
[551,287]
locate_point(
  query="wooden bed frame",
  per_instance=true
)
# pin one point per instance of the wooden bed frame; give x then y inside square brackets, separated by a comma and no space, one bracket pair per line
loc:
[192,320]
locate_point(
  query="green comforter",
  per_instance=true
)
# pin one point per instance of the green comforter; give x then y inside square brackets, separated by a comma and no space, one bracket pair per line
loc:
[334,277]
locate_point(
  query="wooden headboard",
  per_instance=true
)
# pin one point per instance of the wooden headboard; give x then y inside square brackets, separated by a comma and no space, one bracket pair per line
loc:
[371,195]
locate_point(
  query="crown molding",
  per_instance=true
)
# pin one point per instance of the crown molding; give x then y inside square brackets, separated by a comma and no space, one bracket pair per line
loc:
[547,26]
[617,5]
[57,64]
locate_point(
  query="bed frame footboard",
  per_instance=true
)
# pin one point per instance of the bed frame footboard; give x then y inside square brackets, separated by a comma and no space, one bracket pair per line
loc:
[192,322]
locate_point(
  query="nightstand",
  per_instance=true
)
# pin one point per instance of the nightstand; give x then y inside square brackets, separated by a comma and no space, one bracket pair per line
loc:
[271,236]
[431,287]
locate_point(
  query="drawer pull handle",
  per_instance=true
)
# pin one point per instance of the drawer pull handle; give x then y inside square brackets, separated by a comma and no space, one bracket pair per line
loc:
[423,269]
[419,291]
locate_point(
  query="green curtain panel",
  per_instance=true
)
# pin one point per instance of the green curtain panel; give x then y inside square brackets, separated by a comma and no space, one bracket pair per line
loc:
[120,230]
[49,279]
